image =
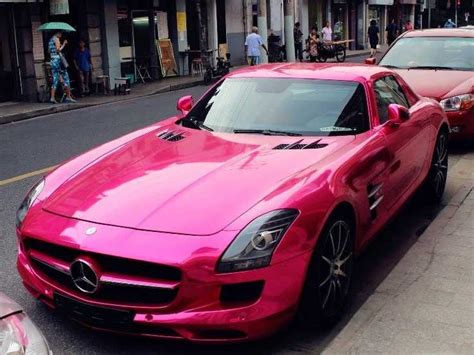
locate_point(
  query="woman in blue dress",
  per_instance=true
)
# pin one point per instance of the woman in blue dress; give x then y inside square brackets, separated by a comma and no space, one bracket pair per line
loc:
[58,71]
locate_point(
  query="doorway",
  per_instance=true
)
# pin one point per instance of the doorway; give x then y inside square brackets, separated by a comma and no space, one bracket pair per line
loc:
[6,56]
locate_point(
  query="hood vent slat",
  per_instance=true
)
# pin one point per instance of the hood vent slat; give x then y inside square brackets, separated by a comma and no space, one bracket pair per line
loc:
[300,145]
[171,136]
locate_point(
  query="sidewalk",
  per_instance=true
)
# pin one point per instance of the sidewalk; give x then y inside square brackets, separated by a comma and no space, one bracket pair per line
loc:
[16,111]
[426,303]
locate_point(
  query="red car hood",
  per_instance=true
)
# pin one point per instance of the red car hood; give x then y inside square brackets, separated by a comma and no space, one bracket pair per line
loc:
[197,185]
[437,84]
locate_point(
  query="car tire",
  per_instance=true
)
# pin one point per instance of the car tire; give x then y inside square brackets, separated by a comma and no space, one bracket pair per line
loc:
[437,176]
[329,277]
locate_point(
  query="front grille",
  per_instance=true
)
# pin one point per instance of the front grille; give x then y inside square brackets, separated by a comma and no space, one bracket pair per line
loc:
[128,292]
[112,263]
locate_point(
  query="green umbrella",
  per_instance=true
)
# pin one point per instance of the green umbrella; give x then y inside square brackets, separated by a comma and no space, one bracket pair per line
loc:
[56,26]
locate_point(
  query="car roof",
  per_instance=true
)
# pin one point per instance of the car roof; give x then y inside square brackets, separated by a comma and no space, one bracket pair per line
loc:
[326,71]
[440,32]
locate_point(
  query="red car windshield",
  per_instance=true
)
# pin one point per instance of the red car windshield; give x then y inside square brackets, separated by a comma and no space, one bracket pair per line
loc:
[284,106]
[449,53]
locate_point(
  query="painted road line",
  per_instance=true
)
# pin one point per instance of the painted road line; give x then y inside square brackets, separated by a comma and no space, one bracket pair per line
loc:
[26,176]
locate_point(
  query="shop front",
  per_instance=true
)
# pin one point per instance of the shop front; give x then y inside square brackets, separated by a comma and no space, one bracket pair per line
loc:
[379,10]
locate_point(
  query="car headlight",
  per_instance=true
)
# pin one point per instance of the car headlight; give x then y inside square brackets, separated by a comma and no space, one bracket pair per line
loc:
[19,336]
[254,245]
[28,201]
[458,103]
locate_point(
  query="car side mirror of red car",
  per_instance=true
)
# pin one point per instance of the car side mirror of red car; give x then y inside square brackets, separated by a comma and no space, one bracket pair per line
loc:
[185,104]
[371,61]
[397,114]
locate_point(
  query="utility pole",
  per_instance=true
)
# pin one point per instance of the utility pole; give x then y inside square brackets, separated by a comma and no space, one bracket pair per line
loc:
[262,26]
[153,52]
[456,12]
[289,14]
[202,35]
[429,13]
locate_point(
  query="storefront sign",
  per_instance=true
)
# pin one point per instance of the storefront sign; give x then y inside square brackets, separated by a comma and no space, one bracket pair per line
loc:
[162,21]
[38,52]
[59,7]
[181,24]
[381,2]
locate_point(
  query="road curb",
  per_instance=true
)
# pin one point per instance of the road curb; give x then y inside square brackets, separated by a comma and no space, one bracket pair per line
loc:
[75,106]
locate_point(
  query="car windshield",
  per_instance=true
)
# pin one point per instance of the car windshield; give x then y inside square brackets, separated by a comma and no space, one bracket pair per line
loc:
[450,53]
[283,107]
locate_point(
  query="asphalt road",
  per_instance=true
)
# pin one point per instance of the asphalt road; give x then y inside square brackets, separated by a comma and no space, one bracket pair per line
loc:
[46,141]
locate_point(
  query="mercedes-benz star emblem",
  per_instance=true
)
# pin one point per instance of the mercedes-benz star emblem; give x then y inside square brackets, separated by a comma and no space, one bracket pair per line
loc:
[84,276]
[91,230]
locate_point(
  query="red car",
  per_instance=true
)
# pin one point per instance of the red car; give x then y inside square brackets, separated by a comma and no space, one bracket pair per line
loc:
[224,222]
[439,63]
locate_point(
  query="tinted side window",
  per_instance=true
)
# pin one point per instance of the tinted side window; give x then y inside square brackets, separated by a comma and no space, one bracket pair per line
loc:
[383,98]
[397,89]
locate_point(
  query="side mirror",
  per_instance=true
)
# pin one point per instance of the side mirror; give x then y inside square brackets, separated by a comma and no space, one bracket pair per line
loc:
[371,61]
[185,104]
[397,114]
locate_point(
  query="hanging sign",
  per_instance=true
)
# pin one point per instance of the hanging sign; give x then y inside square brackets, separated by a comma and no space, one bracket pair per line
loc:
[58,7]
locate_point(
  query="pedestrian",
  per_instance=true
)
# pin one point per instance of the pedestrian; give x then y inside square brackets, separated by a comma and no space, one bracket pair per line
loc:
[408,26]
[83,63]
[59,67]
[449,24]
[313,45]
[373,35]
[298,38]
[253,42]
[327,32]
[392,32]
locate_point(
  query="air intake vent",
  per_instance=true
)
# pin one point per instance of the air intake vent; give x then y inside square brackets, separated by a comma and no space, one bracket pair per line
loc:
[299,145]
[171,136]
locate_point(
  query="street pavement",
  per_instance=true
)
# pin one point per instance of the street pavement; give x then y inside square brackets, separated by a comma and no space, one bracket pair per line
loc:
[45,141]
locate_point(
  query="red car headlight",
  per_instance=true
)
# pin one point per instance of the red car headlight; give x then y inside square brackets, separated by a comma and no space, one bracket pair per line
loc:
[254,245]
[458,103]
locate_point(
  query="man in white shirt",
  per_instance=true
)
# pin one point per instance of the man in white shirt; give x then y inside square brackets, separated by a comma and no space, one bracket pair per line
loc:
[327,32]
[253,42]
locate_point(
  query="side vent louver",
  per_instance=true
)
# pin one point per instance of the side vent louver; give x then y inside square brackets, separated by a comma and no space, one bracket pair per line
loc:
[171,136]
[300,145]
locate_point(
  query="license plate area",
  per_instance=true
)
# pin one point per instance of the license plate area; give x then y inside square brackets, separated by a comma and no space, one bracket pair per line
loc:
[93,315]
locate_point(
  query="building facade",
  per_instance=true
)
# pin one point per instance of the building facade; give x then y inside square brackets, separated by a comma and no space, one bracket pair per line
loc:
[153,39]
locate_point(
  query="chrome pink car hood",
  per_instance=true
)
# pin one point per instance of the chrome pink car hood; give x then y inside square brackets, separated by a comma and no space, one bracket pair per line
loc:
[197,185]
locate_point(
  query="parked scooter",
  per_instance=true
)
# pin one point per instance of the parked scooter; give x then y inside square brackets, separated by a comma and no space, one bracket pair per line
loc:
[222,68]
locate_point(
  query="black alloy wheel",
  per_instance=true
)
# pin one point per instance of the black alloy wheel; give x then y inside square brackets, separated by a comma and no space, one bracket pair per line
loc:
[436,182]
[329,275]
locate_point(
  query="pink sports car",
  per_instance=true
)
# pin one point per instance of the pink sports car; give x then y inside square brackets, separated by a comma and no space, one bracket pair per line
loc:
[246,209]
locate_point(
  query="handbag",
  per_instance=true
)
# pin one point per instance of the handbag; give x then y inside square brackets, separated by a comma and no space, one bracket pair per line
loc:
[64,62]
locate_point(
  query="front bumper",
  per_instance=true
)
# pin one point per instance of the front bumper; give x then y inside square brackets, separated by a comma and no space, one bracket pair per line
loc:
[197,312]
[462,124]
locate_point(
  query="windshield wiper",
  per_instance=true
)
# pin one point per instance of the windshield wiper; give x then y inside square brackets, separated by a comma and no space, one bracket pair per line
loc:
[197,124]
[267,132]
[431,67]
[390,66]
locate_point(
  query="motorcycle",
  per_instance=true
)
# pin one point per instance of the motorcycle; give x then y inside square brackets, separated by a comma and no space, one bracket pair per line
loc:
[221,69]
